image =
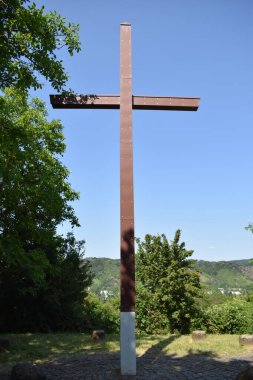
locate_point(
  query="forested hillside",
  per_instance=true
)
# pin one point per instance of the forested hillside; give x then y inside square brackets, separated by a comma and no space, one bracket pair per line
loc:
[214,274]
[226,274]
[106,275]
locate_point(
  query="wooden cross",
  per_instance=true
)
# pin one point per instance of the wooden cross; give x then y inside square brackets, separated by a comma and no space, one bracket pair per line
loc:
[126,102]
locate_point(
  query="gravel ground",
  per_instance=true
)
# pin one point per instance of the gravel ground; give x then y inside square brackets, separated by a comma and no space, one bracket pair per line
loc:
[149,367]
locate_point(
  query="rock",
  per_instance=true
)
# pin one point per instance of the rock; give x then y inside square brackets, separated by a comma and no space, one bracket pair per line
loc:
[246,375]
[98,334]
[246,340]
[198,335]
[26,371]
[4,344]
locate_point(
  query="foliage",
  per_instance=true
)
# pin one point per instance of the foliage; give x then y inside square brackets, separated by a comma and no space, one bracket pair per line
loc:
[101,314]
[35,194]
[229,318]
[150,318]
[249,297]
[234,316]
[42,281]
[213,298]
[167,274]
[58,303]
[67,285]
[29,40]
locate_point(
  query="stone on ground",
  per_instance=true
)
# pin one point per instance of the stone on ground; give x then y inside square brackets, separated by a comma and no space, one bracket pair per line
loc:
[246,340]
[198,335]
[98,334]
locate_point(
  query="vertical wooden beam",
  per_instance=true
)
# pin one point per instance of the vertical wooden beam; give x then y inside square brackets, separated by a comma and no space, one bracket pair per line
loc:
[126,174]
[127,264]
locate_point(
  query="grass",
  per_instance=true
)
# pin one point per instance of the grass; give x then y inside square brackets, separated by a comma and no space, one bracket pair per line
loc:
[181,345]
[41,347]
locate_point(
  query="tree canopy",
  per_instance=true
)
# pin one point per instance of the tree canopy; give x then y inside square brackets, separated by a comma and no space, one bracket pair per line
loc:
[43,276]
[168,283]
[29,40]
[38,267]
[35,190]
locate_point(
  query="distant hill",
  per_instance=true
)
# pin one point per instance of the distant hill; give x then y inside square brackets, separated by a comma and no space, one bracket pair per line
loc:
[226,274]
[214,274]
[106,274]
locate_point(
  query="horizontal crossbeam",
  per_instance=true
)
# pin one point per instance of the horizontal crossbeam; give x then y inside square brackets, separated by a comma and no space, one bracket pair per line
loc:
[85,101]
[113,102]
[165,103]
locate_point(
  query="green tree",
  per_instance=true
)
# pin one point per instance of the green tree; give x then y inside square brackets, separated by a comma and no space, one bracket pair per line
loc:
[35,193]
[68,280]
[58,303]
[29,40]
[169,278]
[35,199]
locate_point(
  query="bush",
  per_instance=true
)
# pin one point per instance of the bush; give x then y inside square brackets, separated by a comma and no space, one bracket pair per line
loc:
[232,317]
[101,314]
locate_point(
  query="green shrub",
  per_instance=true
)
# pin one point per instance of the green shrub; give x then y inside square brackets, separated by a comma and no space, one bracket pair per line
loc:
[231,317]
[101,314]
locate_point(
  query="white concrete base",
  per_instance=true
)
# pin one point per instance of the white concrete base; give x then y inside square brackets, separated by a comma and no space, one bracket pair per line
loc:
[127,343]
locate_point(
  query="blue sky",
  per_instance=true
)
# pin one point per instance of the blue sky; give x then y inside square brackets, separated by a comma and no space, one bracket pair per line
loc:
[192,170]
